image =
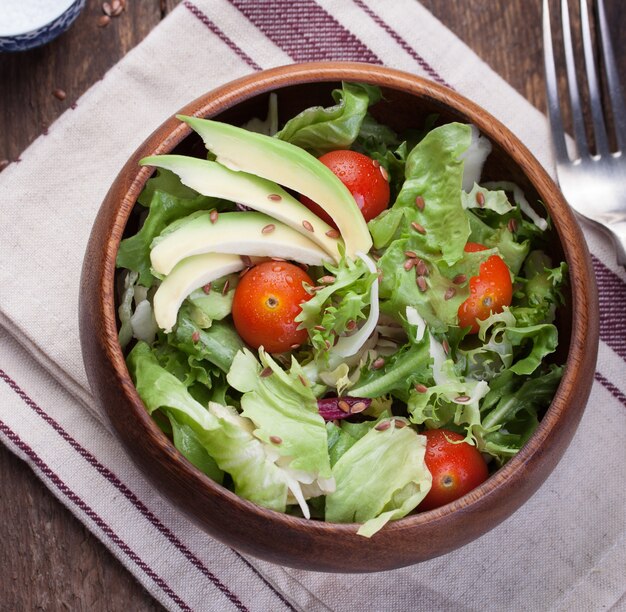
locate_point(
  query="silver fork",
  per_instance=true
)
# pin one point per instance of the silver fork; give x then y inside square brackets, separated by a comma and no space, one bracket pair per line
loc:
[593,184]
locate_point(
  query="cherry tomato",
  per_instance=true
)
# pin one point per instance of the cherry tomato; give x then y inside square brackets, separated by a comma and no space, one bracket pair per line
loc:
[266,302]
[365,179]
[456,468]
[490,291]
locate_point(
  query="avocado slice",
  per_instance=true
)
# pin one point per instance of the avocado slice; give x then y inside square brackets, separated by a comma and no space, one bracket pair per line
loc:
[187,276]
[214,180]
[242,233]
[288,165]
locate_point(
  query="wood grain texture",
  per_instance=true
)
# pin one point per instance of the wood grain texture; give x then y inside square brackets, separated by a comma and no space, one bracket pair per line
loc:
[505,34]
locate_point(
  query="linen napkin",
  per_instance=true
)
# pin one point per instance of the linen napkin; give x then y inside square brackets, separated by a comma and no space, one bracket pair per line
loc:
[563,550]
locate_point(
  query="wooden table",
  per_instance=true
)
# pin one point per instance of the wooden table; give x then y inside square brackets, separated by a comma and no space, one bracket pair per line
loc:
[48,560]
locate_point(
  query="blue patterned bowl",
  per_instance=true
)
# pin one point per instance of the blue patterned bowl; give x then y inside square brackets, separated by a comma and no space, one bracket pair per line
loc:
[40,34]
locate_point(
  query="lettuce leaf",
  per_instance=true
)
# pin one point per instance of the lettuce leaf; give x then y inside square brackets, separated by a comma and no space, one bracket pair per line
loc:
[283,409]
[434,171]
[319,130]
[381,477]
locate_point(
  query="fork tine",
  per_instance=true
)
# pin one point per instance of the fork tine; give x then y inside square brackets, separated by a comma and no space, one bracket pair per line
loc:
[599,128]
[552,90]
[615,91]
[572,83]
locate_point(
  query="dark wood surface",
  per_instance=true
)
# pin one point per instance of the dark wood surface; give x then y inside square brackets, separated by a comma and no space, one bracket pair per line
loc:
[48,560]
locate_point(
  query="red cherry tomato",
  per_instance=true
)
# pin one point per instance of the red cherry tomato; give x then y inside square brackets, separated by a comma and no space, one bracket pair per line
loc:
[365,179]
[266,302]
[456,468]
[490,291]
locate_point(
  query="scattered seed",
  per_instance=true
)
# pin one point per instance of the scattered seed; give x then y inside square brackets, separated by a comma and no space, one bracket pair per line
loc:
[446,347]
[421,268]
[268,229]
[420,388]
[337,423]
[463,398]
[327,344]
[418,228]
[399,424]
[73,105]
[307,226]
[294,346]
[421,283]
[512,225]
[382,426]
[213,216]
[375,163]
[3,164]
[375,256]
[319,327]
[116,8]
[326,280]
[303,380]
[207,288]
[488,302]
[384,172]
[244,272]
[350,325]
[420,203]
[106,9]
[103,21]
[246,260]
[333,233]
[408,264]
[459,279]
[304,266]
[195,337]
[378,363]
[480,199]
[265,372]
[449,294]
[276,440]
[44,129]
[278,259]
[358,407]
[274,197]
[410,254]
[59,94]
[343,406]
[226,287]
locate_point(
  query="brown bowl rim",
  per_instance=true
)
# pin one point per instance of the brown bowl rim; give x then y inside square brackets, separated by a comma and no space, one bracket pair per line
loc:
[584,304]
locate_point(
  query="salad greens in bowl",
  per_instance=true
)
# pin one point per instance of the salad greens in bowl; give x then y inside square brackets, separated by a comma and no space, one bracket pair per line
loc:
[341,322]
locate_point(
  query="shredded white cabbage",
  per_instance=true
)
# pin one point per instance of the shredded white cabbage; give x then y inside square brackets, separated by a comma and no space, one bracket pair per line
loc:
[474,159]
[520,198]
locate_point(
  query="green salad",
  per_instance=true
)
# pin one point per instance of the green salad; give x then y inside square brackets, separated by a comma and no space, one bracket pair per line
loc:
[303,310]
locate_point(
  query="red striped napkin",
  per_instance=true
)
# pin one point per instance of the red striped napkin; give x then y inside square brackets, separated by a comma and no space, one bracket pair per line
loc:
[565,549]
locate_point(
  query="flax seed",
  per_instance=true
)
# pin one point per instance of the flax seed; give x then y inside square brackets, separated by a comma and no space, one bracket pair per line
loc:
[383,426]
[378,363]
[103,21]
[307,226]
[225,287]
[326,280]
[333,233]
[408,264]
[449,294]
[59,94]
[276,440]
[343,406]
[274,197]
[384,172]
[459,279]
[421,283]
[512,225]
[358,407]
[195,337]
[480,199]
[268,229]
[246,260]
[418,228]
[446,347]
[266,372]
[410,254]
[303,380]
[213,216]
[420,388]
[421,268]
[420,203]
[207,288]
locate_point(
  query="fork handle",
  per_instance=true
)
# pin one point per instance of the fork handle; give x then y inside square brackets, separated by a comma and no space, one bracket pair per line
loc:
[618,230]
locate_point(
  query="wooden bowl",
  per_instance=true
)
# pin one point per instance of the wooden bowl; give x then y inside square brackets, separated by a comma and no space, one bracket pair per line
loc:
[288,540]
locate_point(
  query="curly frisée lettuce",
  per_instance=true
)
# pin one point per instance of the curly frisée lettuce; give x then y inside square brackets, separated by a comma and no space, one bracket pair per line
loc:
[332,428]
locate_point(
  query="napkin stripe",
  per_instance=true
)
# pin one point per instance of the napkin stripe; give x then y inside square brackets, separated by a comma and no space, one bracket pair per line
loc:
[198,14]
[94,516]
[615,392]
[139,505]
[612,302]
[428,69]
[305,31]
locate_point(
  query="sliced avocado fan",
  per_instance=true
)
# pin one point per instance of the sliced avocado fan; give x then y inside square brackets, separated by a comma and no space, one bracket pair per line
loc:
[288,165]
[214,180]
[239,233]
